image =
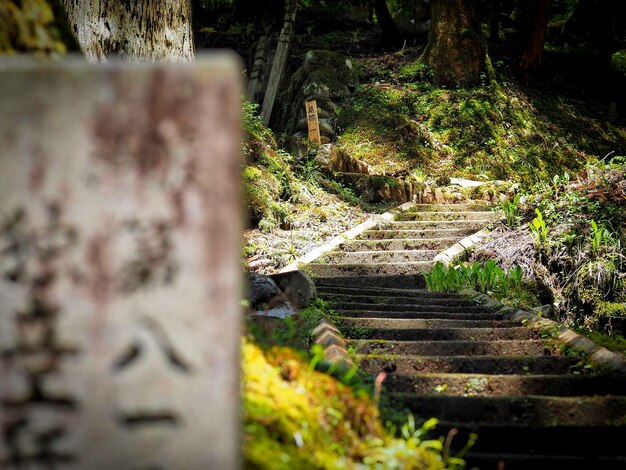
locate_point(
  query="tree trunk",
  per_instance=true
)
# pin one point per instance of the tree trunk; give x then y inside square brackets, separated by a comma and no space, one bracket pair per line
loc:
[530,60]
[391,37]
[495,10]
[456,50]
[139,29]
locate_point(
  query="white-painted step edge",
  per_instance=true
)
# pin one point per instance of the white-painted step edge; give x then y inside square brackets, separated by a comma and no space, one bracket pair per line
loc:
[449,254]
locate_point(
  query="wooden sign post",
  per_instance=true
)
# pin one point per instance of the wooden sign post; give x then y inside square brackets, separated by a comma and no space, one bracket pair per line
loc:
[313,123]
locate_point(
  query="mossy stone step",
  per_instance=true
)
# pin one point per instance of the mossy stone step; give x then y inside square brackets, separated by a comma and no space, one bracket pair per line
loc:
[441,334]
[474,225]
[447,207]
[413,283]
[388,299]
[456,216]
[386,233]
[527,411]
[361,257]
[512,438]
[366,269]
[438,244]
[468,364]
[453,348]
[419,315]
[457,384]
[412,323]
[328,287]
[426,306]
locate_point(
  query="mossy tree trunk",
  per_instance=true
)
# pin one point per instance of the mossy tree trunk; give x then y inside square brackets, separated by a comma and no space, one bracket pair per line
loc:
[456,50]
[138,29]
[530,60]
[37,26]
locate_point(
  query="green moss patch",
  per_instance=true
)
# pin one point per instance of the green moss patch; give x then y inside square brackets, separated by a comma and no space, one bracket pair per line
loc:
[297,417]
[397,122]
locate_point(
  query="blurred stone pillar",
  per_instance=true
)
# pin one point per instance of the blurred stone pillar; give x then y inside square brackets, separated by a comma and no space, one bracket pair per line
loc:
[119,265]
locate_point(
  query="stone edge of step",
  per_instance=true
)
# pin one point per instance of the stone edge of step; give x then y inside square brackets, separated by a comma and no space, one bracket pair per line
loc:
[447,256]
[328,336]
[593,353]
[345,236]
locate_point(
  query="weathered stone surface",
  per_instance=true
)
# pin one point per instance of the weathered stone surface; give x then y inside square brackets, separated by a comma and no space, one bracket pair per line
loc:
[119,265]
[330,157]
[267,299]
[439,196]
[297,286]
[261,289]
[325,77]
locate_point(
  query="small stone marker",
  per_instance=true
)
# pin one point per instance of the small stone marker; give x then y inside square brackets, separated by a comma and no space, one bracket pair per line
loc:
[119,265]
[313,122]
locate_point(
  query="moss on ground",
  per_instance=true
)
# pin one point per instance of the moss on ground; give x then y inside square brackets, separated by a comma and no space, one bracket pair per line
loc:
[292,206]
[396,121]
[301,412]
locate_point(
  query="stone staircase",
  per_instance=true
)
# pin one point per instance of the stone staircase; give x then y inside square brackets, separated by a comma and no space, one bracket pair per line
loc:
[448,357]
[406,245]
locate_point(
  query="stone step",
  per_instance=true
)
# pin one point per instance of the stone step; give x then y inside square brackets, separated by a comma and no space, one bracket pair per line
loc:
[366,257]
[429,305]
[374,300]
[423,231]
[440,334]
[456,384]
[410,323]
[523,461]
[438,244]
[333,287]
[522,411]
[450,215]
[407,365]
[412,283]
[372,269]
[454,348]
[447,208]
[420,315]
[559,440]
[474,225]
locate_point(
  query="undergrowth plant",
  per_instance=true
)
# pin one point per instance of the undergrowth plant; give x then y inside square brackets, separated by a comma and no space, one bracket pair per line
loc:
[488,277]
[601,236]
[511,211]
[539,230]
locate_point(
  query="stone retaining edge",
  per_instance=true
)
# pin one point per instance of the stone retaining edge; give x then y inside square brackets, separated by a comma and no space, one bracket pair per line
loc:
[347,235]
[592,352]
[327,335]
[448,255]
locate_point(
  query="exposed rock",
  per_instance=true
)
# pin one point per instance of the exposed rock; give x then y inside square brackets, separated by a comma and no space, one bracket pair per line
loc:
[261,290]
[297,286]
[332,158]
[267,299]
[427,196]
[325,77]
[439,197]
[466,183]
[375,188]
